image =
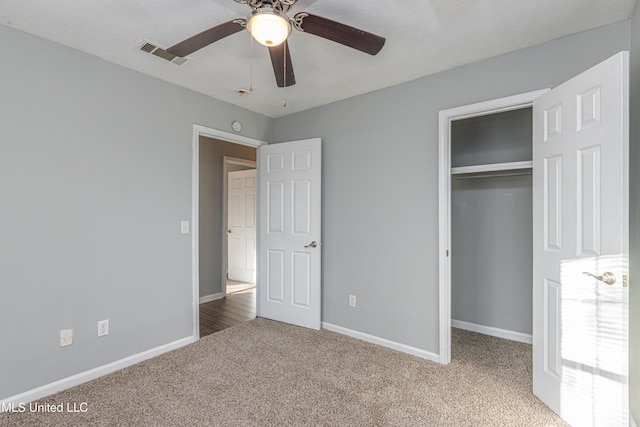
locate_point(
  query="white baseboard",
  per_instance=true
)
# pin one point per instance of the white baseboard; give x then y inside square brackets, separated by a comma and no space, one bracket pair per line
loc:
[83,377]
[494,332]
[211,297]
[382,341]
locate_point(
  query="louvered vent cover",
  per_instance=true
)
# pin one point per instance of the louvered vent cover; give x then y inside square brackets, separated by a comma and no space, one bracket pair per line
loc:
[155,50]
[148,47]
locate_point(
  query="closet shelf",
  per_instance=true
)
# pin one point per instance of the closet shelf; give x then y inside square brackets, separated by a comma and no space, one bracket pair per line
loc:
[495,167]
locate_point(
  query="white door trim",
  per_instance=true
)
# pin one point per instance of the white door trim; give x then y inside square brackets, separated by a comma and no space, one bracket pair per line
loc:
[444,198]
[199,131]
[228,160]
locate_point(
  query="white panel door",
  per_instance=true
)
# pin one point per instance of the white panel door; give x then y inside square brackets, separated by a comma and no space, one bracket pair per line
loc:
[580,187]
[241,226]
[289,241]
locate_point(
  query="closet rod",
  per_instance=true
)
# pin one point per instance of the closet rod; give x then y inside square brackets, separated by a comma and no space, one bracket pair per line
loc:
[490,175]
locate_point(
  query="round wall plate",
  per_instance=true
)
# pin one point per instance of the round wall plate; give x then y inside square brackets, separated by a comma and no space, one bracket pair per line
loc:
[237,126]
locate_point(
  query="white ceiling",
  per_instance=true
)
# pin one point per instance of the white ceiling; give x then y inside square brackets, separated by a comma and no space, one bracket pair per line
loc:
[423,37]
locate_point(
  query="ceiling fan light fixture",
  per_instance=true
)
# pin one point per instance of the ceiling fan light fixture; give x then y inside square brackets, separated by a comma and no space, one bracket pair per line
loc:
[268,26]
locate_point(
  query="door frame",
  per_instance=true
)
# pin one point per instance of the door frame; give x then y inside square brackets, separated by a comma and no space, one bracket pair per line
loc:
[228,160]
[221,135]
[445,118]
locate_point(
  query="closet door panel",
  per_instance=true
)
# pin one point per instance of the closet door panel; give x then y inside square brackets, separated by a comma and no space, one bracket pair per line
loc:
[589,207]
[553,203]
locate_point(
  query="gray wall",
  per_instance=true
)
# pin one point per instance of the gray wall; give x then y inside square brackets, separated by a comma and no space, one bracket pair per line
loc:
[634,148]
[380,181]
[210,236]
[491,252]
[493,138]
[95,177]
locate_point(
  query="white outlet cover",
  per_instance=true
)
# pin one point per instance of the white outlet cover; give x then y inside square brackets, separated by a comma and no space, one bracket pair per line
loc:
[103,327]
[66,337]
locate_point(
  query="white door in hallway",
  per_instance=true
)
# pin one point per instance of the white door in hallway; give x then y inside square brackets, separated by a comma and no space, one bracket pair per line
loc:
[241,226]
[289,270]
[581,232]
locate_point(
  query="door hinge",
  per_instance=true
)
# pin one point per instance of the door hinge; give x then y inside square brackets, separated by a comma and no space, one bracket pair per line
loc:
[625,280]
[447,252]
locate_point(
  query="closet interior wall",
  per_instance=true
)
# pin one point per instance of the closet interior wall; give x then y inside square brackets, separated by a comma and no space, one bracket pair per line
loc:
[491,222]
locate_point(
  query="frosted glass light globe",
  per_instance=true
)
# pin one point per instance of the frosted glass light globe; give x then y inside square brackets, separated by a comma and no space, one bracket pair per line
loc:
[268,26]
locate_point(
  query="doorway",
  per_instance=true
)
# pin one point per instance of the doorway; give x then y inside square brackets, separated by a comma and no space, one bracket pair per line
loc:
[489,169]
[207,239]
[492,224]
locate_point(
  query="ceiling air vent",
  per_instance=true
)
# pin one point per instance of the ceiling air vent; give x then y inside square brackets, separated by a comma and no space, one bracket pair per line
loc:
[148,47]
[155,50]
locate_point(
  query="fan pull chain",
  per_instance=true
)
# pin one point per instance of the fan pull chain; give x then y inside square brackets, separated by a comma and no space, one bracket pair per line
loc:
[284,89]
[251,61]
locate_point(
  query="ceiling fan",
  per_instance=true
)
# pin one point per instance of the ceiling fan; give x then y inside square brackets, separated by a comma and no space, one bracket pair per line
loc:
[269,24]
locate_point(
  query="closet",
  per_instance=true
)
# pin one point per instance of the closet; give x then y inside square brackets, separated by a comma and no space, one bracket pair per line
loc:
[491,224]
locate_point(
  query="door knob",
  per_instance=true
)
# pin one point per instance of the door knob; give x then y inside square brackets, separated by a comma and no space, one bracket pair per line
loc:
[229,231]
[607,277]
[312,244]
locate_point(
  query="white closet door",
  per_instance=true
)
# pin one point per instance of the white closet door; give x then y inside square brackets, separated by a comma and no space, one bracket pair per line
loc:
[580,192]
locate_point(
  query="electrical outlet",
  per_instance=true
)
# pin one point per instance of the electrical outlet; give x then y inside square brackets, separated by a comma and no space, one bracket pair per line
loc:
[66,337]
[352,300]
[103,327]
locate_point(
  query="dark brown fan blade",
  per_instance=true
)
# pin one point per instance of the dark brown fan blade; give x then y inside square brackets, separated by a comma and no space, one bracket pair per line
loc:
[206,37]
[277,59]
[340,33]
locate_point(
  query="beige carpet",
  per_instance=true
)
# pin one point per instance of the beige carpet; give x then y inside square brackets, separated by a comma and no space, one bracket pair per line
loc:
[265,373]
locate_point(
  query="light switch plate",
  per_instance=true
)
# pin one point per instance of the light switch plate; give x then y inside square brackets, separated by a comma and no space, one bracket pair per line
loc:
[184,227]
